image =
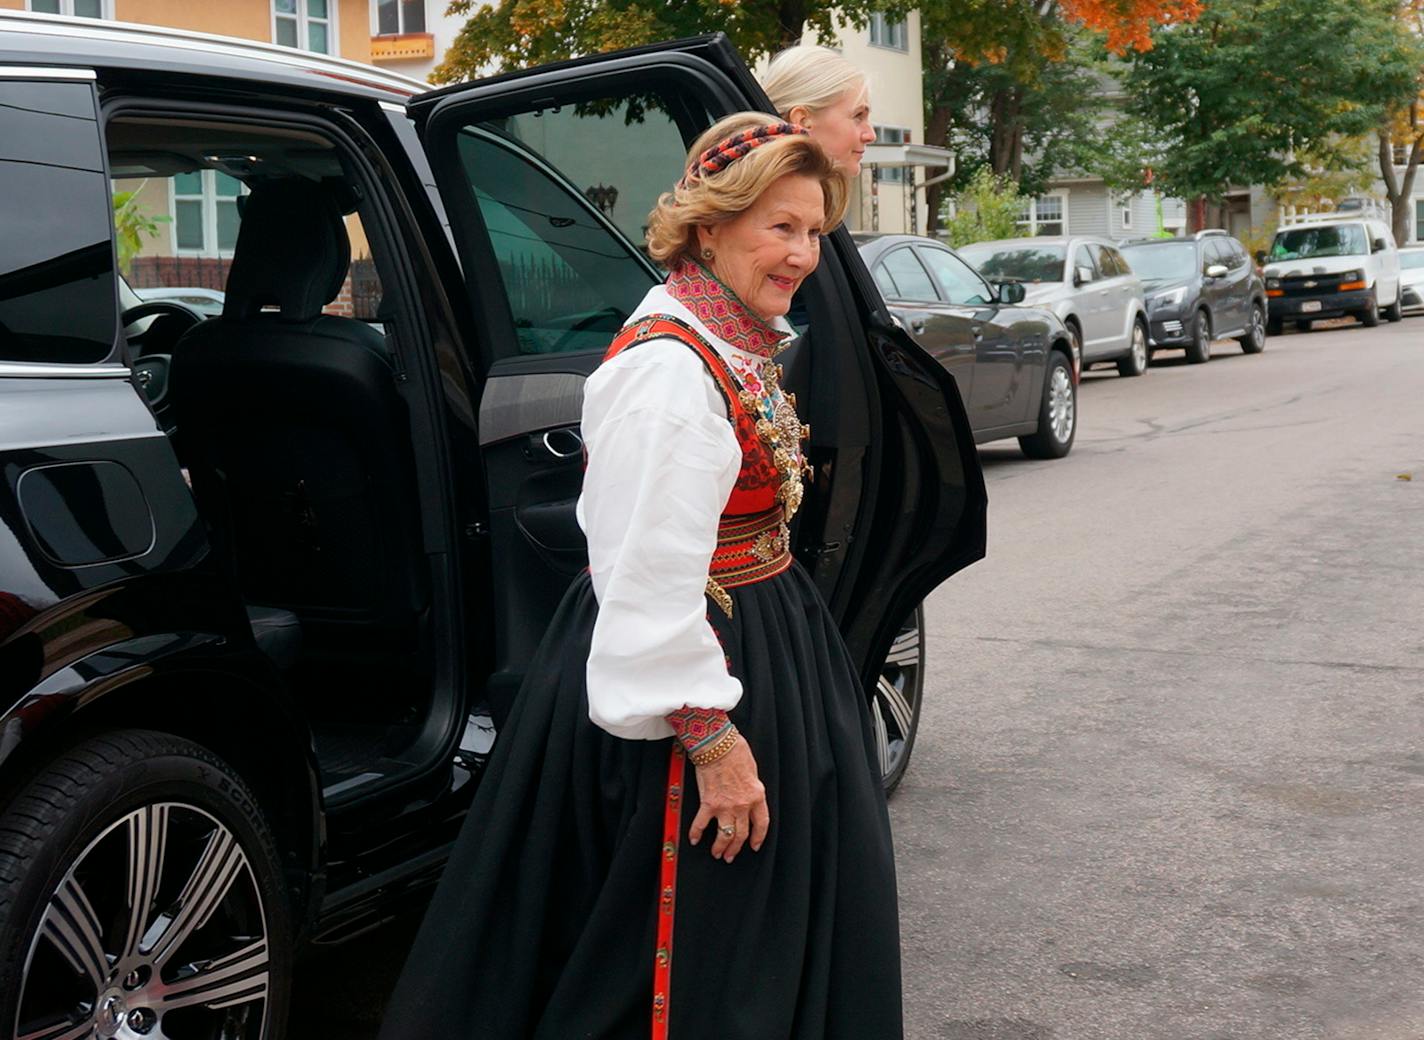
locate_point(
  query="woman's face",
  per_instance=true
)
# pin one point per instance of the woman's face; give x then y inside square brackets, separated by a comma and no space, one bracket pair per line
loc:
[842,128]
[764,253]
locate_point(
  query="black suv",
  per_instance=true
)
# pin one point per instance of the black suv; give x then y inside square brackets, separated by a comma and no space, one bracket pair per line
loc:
[269,580]
[1199,289]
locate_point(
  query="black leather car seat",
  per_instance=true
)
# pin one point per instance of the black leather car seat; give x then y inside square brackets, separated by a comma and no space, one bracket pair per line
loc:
[295,434]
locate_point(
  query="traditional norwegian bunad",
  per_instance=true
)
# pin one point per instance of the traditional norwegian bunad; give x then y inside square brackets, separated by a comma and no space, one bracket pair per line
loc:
[573,905]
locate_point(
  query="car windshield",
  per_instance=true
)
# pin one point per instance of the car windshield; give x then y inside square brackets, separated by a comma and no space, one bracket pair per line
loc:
[1300,243]
[1411,261]
[1017,264]
[1162,263]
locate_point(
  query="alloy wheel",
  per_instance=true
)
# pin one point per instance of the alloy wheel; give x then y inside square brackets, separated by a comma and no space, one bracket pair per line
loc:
[895,707]
[156,932]
[1139,347]
[1061,409]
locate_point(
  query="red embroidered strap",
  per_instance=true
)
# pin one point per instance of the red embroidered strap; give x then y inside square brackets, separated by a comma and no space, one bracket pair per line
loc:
[667,891]
[659,326]
[698,728]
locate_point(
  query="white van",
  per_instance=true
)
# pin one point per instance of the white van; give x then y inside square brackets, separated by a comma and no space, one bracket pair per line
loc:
[1331,264]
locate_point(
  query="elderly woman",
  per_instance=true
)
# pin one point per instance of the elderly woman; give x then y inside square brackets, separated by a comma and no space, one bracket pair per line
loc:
[816,88]
[682,832]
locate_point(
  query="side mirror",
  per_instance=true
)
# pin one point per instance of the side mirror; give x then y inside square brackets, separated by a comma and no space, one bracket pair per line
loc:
[1377,245]
[1216,271]
[1082,275]
[1010,292]
[1261,257]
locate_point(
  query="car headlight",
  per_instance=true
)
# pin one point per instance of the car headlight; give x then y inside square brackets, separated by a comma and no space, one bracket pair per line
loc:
[1356,275]
[1170,298]
[1273,283]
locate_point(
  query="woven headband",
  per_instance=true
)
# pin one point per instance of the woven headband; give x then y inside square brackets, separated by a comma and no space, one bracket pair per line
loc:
[724,153]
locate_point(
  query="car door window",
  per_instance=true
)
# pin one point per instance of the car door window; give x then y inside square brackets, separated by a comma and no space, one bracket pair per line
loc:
[888,288]
[910,275]
[1118,261]
[1106,267]
[1217,253]
[959,282]
[58,293]
[1083,261]
[1238,258]
[565,214]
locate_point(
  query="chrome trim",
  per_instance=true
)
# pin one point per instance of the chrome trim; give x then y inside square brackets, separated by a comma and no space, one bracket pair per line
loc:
[29,370]
[206,43]
[45,72]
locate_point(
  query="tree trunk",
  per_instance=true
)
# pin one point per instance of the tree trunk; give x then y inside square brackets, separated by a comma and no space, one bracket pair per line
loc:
[937,135]
[1399,191]
[1006,133]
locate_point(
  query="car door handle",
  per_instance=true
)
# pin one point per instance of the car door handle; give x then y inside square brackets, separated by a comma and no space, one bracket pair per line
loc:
[562,444]
[917,325]
[978,331]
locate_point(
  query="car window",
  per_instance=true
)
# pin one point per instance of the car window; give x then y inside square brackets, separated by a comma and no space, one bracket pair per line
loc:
[1216,252]
[1411,260]
[1042,263]
[57,286]
[566,213]
[910,276]
[1083,258]
[1123,268]
[1239,259]
[887,284]
[958,280]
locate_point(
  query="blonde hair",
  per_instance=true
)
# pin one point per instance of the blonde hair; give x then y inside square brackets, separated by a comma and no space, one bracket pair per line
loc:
[810,77]
[705,200]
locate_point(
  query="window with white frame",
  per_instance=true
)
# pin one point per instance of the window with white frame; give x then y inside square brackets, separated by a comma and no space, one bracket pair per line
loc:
[393,17]
[1124,210]
[1045,215]
[308,24]
[205,216]
[77,8]
[891,135]
[885,33]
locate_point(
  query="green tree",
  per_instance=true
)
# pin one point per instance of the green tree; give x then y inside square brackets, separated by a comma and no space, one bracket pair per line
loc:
[1269,92]
[514,34]
[989,207]
[131,225]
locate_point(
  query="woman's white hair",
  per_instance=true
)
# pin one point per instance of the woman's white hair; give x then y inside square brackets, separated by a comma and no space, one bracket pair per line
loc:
[810,77]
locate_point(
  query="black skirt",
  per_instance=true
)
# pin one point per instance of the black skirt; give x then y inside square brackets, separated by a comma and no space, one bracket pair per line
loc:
[545,922]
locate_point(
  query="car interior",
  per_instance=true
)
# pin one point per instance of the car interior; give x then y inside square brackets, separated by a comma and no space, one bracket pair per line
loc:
[290,419]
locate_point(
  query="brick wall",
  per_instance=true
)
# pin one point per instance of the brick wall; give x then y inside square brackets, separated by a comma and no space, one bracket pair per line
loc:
[360,295]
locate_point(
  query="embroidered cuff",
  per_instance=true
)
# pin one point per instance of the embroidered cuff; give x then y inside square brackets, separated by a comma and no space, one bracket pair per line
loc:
[698,728]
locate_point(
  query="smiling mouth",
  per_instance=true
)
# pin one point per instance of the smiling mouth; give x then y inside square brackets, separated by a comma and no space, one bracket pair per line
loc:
[781,283]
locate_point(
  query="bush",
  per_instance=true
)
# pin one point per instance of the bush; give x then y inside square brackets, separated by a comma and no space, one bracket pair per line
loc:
[990,207]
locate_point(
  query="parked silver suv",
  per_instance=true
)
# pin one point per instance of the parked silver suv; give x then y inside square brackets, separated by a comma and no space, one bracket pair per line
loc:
[1086,282]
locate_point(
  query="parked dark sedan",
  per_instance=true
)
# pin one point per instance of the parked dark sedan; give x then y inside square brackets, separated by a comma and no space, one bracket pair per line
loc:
[1199,289]
[1016,367]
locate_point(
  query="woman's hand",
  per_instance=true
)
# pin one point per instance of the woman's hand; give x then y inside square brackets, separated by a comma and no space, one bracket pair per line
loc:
[731,793]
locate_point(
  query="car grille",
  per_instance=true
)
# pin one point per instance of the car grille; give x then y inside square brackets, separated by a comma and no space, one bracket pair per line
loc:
[1172,328]
[1311,284]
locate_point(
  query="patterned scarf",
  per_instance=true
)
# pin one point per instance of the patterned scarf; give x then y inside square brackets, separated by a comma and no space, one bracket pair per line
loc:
[717,307]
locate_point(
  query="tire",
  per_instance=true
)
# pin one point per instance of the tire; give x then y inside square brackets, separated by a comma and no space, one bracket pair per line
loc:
[1057,412]
[1369,317]
[1075,335]
[1255,339]
[895,704]
[1199,349]
[1274,326]
[1136,360]
[129,812]
[1395,311]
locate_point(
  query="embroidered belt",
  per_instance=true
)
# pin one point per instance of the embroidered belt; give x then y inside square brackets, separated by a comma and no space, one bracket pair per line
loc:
[749,549]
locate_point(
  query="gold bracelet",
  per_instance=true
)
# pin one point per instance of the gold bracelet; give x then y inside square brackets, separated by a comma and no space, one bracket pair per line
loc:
[719,750]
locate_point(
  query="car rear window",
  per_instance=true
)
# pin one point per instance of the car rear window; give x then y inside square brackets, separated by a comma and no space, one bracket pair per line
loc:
[57,289]
[1020,264]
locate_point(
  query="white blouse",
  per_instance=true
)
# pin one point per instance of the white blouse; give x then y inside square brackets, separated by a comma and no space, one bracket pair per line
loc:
[662,462]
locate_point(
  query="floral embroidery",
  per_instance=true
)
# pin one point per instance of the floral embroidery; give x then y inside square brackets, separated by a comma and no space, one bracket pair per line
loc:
[717,307]
[697,728]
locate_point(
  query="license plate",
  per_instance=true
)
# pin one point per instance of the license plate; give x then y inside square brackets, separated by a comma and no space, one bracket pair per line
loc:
[1310,306]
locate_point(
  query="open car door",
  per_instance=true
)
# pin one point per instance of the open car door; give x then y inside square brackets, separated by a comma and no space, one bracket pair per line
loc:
[548,176]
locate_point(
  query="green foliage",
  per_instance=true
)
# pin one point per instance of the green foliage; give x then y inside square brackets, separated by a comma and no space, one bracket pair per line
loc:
[504,35]
[1270,91]
[131,224]
[988,208]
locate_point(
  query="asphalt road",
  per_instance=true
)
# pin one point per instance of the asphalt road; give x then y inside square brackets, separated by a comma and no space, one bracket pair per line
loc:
[1169,782]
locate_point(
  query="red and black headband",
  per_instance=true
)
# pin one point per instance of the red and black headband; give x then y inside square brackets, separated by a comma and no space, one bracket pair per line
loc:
[725,152]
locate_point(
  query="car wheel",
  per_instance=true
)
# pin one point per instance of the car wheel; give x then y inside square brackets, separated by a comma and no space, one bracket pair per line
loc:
[1199,349]
[1255,339]
[1369,317]
[1395,311]
[143,898]
[1135,363]
[1057,413]
[895,706]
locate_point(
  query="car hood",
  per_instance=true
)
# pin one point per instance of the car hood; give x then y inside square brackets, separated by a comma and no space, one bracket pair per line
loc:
[1044,292]
[1314,265]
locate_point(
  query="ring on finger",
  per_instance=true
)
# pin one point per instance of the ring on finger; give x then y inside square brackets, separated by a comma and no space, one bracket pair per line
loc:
[728,831]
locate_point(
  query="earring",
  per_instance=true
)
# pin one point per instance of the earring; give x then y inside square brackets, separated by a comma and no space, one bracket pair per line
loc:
[708,253]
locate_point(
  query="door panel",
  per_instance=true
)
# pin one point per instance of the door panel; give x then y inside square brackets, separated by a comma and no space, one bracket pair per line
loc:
[547,177]
[1099,335]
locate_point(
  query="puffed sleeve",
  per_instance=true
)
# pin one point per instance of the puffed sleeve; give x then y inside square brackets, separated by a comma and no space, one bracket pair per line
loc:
[662,460]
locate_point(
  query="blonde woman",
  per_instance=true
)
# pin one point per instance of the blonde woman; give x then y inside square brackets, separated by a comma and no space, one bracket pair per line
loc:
[682,833]
[816,88]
